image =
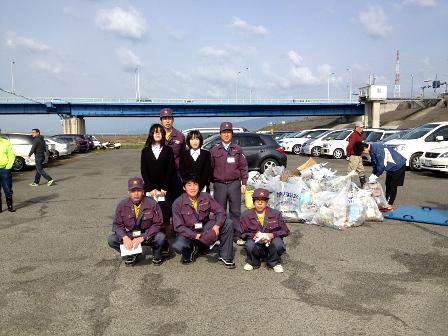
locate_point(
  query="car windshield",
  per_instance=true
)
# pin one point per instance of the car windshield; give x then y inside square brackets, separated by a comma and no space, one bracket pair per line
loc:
[333,135]
[397,135]
[420,131]
[314,134]
[343,135]
[374,137]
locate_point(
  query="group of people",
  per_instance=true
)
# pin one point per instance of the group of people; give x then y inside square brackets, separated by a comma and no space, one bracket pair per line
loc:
[383,159]
[175,188]
[7,158]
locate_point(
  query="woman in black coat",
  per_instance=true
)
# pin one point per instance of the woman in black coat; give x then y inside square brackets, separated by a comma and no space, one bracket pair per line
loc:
[157,169]
[196,160]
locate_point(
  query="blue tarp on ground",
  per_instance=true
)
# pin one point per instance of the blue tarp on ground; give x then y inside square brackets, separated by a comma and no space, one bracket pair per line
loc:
[419,214]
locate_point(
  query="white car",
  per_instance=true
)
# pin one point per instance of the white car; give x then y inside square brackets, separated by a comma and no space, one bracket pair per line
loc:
[61,148]
[336,148]
[420,139]
[436,160]
[313,146]
[293,145]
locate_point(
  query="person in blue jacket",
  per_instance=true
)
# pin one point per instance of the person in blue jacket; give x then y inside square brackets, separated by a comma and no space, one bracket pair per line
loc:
[385,159]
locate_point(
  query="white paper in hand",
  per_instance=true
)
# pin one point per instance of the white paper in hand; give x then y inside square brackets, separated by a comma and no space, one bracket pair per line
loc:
[126,252]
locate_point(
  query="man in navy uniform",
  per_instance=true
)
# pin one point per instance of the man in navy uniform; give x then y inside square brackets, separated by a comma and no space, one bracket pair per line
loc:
[230,175]
[195,229]
[263,229]
[138,220]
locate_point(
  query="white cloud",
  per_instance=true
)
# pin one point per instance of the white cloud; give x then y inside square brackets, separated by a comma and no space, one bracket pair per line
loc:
[172,32]
[128,59]
[47,67]
[214,53]
[124,23]
[420,3]
[374,22]
[26,43]
[244,29]
[295,58]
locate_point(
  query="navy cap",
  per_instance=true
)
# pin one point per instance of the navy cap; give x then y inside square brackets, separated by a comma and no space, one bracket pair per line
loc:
[260,193]
[166,112]
[226,126]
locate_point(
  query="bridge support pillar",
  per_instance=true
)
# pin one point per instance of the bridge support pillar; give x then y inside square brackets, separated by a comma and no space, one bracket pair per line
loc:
[74,125]
[372,113]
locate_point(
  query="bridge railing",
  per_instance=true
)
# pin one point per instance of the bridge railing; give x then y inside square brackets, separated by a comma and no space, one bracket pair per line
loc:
[171,101]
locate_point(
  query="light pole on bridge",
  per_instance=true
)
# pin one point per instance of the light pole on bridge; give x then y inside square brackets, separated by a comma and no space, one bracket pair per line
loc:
[328,94]
[250,86]
[350,93]
[12,78]
[236,85]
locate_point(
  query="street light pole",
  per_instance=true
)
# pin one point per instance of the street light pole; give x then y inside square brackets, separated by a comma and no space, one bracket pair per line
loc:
[250,86]
[328,95]
[236,86]
[350,94]
[137,83]
[12,78]
[412,85]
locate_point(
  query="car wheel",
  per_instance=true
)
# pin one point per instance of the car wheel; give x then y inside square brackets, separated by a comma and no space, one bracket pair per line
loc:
[338,153]
[19,164]
[56,154]
[414,162]
[296,149]
[268,163]
[315,151]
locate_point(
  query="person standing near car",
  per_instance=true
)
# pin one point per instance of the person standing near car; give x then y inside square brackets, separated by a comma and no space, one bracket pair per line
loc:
[230,173]
[138,220]
[176,140]
[196,160]
[157,169]
[39,148]
[7,158]
[385,159]
[355,161]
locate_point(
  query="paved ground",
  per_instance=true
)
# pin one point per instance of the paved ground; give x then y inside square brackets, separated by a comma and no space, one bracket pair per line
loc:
[59,277]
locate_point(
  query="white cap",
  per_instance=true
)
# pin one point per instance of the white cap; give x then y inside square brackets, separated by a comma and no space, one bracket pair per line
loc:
[359,124]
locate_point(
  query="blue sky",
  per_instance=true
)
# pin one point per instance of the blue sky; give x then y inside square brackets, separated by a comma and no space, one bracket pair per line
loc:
[213,49]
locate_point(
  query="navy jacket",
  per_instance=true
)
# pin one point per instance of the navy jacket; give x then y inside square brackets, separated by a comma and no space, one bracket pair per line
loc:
[273,223]
[378,154]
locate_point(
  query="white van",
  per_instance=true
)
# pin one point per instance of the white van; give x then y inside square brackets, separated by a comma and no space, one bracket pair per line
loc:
[207,132]
[419,140]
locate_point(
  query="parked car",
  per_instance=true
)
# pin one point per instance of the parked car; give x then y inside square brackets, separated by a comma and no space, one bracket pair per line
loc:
[382,136]
[294,144]
[207,132]
[313,145]
[337,148]
[283,135]
[61,148]
[96,143]
[78,139]
[419,140]
[90,143]
[436,160]
[261,150]
[22,144]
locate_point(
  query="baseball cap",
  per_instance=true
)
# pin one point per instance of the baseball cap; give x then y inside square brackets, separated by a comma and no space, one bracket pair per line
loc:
[136,182]
[166,112]
[226,126]
[359,124]
[208,237]
[260,193]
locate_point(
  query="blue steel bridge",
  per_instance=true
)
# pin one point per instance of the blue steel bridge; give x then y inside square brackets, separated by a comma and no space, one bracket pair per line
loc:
[98,107]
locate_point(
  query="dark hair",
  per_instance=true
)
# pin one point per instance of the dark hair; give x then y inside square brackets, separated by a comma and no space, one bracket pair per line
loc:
[36,130]
[189,177]
[359,147]
[195,134]
[150,140]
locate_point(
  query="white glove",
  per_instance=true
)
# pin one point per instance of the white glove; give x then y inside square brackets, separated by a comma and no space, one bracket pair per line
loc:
[372,178]
[348,158]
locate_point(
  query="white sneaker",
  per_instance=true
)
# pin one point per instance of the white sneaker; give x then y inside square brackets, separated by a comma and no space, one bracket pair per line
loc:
[248,267]
[240,242]
[278,268]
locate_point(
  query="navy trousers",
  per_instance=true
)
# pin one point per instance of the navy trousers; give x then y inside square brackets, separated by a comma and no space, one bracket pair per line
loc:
[156,242]
[272,253]
[6,182]
[183,245]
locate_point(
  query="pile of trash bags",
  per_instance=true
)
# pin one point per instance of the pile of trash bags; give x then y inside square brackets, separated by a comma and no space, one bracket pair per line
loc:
[319,196]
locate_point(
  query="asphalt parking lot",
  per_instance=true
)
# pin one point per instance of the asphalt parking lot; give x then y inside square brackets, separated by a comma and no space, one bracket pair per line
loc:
[59,277]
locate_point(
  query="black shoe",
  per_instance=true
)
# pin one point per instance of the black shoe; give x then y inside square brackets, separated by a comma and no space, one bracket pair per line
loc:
[131,260]
[189,260]
[166,250]
[227,262]
[156,262]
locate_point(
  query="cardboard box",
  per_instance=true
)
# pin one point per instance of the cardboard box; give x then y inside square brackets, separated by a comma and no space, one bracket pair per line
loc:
[307,164]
